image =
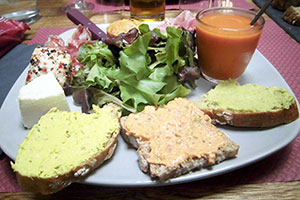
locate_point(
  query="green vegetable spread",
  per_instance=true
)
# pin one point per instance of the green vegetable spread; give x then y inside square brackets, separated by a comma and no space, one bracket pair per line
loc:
[229,95]
[61,141]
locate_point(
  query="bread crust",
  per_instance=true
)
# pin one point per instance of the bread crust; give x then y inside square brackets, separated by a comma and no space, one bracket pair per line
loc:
[54,184]
[254,120]
[161,172]
[57,183]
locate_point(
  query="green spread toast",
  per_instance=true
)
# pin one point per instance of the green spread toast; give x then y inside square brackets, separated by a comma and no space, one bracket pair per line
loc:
[249,105]
[63,141]
[229,95]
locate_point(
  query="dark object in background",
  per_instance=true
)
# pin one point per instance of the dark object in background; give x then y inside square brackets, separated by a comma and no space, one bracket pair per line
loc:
[276,15]
[292,15]
[284,4]
[11,33]
[290,9]
[12,65]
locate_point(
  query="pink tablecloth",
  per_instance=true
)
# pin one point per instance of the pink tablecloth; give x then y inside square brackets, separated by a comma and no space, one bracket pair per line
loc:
[284,54]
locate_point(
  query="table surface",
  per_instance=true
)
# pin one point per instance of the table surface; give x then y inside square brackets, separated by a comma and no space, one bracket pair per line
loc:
[53,17]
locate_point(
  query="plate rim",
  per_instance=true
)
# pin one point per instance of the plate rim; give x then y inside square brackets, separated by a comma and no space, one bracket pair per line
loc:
[185,178]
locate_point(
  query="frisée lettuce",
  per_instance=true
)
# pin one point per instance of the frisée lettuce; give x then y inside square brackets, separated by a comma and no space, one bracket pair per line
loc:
[143,73]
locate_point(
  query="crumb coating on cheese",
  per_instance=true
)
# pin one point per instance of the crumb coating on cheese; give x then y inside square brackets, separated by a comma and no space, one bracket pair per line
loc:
[62,141]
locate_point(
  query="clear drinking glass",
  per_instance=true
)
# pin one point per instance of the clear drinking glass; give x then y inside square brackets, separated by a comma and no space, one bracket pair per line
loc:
[26,11]
[147,10]
[81,5]
[226,41]
[195,5]
[108,11]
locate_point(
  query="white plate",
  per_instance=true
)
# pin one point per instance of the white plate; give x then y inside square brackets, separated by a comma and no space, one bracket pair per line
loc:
[122,169]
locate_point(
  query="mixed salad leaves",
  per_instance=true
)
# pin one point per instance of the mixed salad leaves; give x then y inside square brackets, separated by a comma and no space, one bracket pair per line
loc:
[154,69]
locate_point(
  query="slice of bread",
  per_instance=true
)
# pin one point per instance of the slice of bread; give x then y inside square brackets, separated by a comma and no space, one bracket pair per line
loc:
[175,139]
[249,105]
[292,15]
[122,26]
[65,147]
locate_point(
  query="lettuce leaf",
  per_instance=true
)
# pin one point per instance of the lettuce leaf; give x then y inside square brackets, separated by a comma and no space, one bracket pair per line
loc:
[145,73]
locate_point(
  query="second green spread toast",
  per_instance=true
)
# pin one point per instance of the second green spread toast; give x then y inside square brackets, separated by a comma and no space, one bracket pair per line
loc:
[249,105]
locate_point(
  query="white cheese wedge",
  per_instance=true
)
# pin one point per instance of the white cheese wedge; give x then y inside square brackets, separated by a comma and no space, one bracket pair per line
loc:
[47,59]
[38,97]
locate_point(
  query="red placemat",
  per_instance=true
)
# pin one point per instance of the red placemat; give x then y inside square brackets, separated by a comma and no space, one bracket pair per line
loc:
[284,53]
[43,33]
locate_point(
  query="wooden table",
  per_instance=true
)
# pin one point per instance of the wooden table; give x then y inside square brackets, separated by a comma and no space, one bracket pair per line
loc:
[53,17]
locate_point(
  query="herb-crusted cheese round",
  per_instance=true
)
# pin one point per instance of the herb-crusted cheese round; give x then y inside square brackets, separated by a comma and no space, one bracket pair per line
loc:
[62,140]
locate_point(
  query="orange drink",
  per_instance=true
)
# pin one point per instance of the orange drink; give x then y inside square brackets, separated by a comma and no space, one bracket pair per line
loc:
[147,10]
[226,41]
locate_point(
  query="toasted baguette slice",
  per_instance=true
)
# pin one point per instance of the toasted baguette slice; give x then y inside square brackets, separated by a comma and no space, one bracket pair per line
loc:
[122,26]
[249,105]
[52,156]
[175,139]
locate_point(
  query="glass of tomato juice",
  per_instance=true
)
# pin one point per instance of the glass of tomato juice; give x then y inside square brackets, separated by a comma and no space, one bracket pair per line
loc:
[226,41]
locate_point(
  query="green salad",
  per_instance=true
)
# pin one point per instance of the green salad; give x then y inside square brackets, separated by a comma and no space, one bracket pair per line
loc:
[142,73]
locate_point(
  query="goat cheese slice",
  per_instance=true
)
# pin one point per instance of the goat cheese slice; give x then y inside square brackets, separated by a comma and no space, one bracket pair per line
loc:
[38,97]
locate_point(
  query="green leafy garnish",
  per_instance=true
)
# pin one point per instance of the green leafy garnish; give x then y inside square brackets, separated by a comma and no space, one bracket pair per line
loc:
[144,73]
